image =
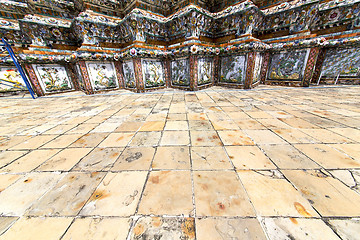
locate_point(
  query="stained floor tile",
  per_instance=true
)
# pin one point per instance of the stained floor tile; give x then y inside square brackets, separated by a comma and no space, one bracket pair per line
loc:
[297,228]
[99,159]
[167,192]
[116,189]
[175,138]
[347,229]
[248,157]
[163,228]
[98,228]
[327,156]
[329,196]
[219,193]
[227,228]
[235,137]
[117,140]
[206,158]
[134,158]
[89,140]
[78,188]
[273,195]
[172,158]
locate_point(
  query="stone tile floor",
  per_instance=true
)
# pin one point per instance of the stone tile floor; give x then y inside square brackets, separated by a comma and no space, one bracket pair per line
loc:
[269,163]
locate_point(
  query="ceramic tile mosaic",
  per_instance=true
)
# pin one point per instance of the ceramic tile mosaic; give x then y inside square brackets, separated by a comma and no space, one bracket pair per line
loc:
[214,164]
[53,78]
[233,69]
[102,75]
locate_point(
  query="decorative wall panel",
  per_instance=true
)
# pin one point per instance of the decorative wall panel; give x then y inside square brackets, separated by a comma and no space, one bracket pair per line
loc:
[233,69]
[153,73]
[345,61]
[53,77]
[129,74]
[204,71]
[102,75]
[287,65]
[10,79]
[180,72]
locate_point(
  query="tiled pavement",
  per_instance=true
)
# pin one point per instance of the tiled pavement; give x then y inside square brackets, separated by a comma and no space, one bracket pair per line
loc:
[270,163]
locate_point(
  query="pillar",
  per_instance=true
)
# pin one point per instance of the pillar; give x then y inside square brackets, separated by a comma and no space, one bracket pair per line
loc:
[119,74]
[318,65]
[86,78]
[193,62]
[216,64]
[34,80]
[140,86]
[310,65]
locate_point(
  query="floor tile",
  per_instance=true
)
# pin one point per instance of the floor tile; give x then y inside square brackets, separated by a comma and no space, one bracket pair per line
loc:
[117,189]
[175,138]
[64,160]
[172,158]
[293,135]
[227,228]
[264,137]
[326,136]
[350,133]
[235,137]
[249,124]
[288,157]
[8,179]
[9,142]
[248,157]
[98,228]
[146,139]
[327,156]
[176,125]
[273,195]
[37,228]
[207,158]
[6,223]
[219,193]
[167,192]
[89,140]
[82,128]
[6,157]
[297,228]
[199,125]
[134,158]
[152,126]
[15,199]
[99,159]
[78,188]
[165,227]
[117,139]
[129,127]
[30,161]
[34,142]
[347,229]
[62,141]
[329,196]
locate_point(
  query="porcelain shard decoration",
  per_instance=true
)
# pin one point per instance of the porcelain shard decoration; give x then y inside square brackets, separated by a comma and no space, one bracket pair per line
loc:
[102,75]
[205,69]
[180,72]
[153,73]
[345,62]
[129,74]
[53,77]
[10,79]
[233,69]
[287,65]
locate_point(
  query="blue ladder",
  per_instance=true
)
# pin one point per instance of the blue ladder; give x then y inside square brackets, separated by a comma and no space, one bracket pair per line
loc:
[17,64]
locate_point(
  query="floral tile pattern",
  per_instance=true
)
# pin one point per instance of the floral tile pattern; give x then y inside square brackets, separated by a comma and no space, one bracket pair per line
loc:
[153,73]
[233,69]
[52,78]
[102,75]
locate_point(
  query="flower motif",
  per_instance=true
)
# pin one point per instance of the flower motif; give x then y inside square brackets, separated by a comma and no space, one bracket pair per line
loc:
[194,49]
[116,56]
[133,52]
[217,51]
